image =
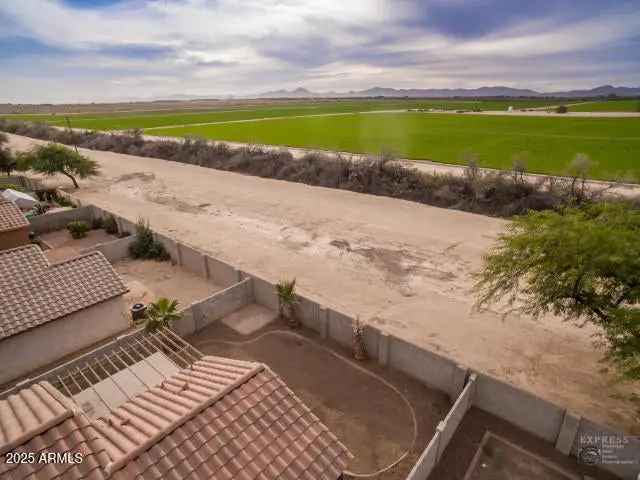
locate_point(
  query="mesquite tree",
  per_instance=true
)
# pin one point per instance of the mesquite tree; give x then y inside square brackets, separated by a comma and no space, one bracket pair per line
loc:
[55,159]
[579,263]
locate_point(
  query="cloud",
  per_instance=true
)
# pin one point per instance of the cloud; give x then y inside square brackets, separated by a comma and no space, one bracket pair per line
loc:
[108,50]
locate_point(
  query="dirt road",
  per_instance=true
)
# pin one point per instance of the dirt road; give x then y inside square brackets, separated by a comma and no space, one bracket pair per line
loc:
[402,266]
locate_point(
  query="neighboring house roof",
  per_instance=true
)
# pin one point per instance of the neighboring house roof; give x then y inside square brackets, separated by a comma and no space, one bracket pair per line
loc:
[219,419]
[39,419]
[11,217]
[33,292]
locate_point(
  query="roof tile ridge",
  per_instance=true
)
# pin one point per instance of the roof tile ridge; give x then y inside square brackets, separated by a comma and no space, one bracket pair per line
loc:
[69,410]
[148,443]
[209,437]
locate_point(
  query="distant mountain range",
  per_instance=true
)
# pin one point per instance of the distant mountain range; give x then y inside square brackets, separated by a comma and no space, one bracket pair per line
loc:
[603,91]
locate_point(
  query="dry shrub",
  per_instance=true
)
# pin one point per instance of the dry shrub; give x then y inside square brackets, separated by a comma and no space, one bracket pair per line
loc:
[500,194]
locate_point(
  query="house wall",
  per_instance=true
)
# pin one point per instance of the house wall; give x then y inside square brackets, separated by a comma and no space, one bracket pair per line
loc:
[14,238]
[35,348]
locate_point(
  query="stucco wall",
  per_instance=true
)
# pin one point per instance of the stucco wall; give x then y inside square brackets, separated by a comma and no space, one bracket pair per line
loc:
[57,221]
[14,238]
[35,348]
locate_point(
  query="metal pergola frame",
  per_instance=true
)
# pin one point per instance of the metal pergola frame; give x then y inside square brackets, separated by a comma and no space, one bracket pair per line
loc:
[121,354]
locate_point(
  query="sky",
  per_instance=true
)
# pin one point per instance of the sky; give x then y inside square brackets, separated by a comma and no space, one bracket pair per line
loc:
[114,50]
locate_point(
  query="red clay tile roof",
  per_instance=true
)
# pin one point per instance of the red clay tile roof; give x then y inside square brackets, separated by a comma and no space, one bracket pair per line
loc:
[220,419]
[11,218]
[32,292]
[41,419]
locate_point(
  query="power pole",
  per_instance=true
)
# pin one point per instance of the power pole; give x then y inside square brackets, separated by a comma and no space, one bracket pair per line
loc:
[71,131]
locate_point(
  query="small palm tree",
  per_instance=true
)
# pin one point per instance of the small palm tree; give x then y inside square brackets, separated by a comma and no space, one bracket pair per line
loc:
[359,348]
[287,300]
[161,313]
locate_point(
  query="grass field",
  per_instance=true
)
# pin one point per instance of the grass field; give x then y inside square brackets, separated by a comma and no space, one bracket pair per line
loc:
[608,106]
[612,143]
[124,121]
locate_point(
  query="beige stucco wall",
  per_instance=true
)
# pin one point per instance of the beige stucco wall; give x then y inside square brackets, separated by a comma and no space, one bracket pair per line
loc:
[14,238]
[35,348]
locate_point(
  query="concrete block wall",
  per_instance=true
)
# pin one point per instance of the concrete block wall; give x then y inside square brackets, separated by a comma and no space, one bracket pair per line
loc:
[125,225]
[427,460]
[340,327]
[222,273]
[187,323]
[445,431]
[264,292]
[114,250]
[170,246]
[192,260]
[309,312]
[531,413]
[213,308]
[58,221]
[457,412]
[428,367]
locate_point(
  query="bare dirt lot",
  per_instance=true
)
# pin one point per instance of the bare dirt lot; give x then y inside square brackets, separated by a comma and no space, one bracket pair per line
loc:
[62,246]
[370,409]
[402,266]
[487,448]
[149,280]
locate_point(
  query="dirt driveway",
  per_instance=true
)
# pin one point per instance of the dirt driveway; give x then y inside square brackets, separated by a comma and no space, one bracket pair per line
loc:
[402,266]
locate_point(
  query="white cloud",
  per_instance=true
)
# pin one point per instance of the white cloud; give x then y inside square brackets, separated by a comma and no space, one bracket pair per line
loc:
[220,47]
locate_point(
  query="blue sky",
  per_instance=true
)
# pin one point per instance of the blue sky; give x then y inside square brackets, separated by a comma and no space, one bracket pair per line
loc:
[108,50]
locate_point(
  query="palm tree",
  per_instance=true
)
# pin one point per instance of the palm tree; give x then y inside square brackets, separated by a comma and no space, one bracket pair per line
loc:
[287,300]
[161,314]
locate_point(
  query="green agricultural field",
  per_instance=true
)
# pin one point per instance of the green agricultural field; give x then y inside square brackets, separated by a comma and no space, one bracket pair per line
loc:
[612,143]
[132,120]
[608,106]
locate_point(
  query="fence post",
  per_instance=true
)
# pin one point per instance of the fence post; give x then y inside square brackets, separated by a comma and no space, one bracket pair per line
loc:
[568,432]
[205,267]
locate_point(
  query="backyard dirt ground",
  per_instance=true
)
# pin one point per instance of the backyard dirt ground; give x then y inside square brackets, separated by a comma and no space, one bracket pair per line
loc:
[149,280]
[62,246]
[367,415]
[506,453]
[402,266]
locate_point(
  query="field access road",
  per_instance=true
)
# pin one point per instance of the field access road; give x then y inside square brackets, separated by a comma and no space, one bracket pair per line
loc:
[538,112]
[614,188]
[402,266]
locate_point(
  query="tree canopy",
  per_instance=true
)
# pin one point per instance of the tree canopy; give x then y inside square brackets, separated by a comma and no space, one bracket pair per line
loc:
[579,263]
[55,159]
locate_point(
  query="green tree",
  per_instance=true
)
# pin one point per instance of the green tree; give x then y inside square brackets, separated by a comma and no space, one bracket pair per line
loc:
[55,159]
[7,161]
[582,264]
[161,314]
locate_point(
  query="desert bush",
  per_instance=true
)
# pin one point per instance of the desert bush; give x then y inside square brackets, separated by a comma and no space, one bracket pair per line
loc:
[78,229]
[477,191]
[110,225]
[145,246]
